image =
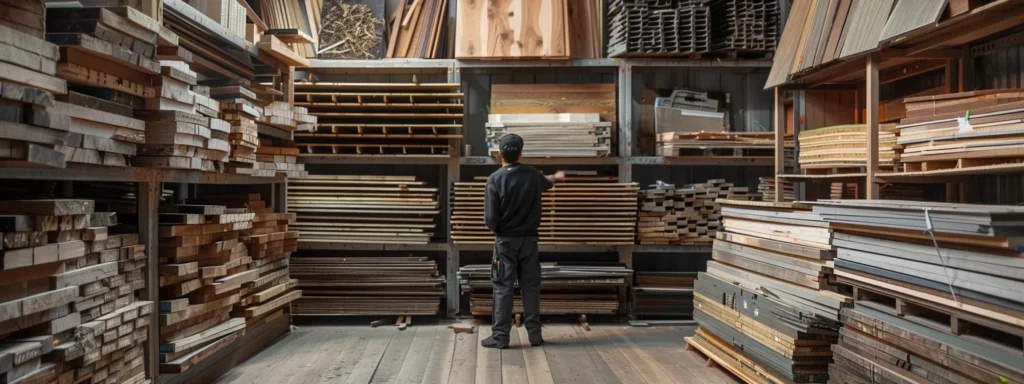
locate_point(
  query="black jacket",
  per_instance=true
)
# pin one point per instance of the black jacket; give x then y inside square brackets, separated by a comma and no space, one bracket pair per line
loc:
[512,203]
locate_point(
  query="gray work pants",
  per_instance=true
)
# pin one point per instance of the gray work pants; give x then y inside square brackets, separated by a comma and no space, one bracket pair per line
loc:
[516,257]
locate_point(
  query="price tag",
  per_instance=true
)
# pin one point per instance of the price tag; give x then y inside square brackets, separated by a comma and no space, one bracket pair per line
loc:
[963,124]
[744,304]
[756,312]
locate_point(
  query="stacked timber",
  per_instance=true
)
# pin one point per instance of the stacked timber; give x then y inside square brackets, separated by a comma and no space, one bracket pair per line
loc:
[844,190]
[364,285]
[69,295]
[417,30]
[572,213]
[238,109]
[844,147]
[699,212]
[768,189]
[705,145]
[363,209]
[767,306]
[939,291]
[31,135]
[638,28]
[275,157]
[658,223]
[553,135]
[109,56]
[381,119]
[203,268]
[663,294]
[565,288]
[934,137]
[304,121]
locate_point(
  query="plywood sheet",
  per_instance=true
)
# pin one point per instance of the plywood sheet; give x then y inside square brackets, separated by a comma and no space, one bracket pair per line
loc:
[511,29]
[909,16]
[865,26]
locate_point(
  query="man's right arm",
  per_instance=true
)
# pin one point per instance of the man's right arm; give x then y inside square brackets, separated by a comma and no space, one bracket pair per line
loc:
[492,205]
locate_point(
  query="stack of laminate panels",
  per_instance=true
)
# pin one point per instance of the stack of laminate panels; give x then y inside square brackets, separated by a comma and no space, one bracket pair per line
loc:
[663,294]
[745,26]
[69,309]
[363,285]
[658,223]
[768,189]
[203,267]
[553,135]
[934,139]
[363,209]
[951,307]
[768,292]
[844,146]
[571,213]
[658,28]
[745,145]
[274,157]
[381,119]
[565,288]
[238,109]
[29,132]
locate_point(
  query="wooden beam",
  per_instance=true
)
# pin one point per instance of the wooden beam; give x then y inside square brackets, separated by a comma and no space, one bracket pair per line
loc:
[871,102]
[780,134]
[937,53]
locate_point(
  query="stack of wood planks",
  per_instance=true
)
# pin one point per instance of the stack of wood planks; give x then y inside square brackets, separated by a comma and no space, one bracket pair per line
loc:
[25,16]
[842,148]
[698,209]
[565,288]
[296,17]
[658,223]
[29,132]
[239,110]
[363,209]
[418,29]
[965,130]
[659,294]
[508,31]
[277,156]
[69,307]
[766,306]
[203,268]
[745,145]
[638,28]
[364,285]
[947,308]
[553,135]
[231,14]
[573,212]
[381,119]
[768,189]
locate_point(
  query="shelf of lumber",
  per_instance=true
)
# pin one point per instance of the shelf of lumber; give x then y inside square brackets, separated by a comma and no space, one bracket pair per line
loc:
[360,285]
[570,288]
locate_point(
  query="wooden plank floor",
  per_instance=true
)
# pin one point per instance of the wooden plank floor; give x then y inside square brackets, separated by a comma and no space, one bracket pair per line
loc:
[429,353]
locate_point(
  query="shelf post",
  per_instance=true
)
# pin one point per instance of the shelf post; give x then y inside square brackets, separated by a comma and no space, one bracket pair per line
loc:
[625,105]
[149,208]
[871,103]
[452,252]
[780,141]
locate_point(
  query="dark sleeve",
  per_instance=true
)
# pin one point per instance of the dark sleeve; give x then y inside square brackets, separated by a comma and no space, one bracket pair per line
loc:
[492,205]
[545,182]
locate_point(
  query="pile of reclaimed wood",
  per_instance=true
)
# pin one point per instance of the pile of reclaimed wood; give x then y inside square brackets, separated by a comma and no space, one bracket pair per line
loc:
[768,189]
[663,294]
[745,26]
[364,285]
[746,145]
[553,135]
[363,209]
[843,147]
[688,215]
[276,156]
[375,119]
[766,306]
[933,138]
[203,268]
[573,212]
[69,307]
[565,288]
[639,28]
[939,291]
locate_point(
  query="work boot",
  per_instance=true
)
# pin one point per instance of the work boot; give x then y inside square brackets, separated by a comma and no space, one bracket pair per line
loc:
[492,342]
[537,343]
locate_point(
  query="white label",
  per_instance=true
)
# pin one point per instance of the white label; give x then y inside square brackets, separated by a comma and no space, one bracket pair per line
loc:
[756,312]
[963,124]
[744,304]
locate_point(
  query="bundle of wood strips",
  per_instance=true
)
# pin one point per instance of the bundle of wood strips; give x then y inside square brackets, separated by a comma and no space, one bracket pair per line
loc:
[844,147]
[553,135]
[566,288]
[362,285]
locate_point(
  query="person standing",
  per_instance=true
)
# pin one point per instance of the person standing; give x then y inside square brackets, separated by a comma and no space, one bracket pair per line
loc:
[512,210]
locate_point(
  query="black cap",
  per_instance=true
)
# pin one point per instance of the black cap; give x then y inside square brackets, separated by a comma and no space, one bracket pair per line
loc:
[510,143]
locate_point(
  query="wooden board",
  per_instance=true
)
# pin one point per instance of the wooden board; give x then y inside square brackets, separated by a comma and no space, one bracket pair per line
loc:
[512,30]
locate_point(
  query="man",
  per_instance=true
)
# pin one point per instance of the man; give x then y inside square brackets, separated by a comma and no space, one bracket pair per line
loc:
[512,207]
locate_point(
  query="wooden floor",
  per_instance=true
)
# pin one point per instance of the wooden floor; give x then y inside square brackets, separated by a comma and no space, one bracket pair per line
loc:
[431,353]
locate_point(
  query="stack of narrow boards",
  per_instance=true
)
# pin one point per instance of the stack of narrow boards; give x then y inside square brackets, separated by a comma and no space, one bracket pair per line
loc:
[364,285]
[919,316]
[601,213]
[689,215]
[769,292]
[238,108]
[69,307]
[768,189]
[277,156]
[203,267]
[553,135]
[746,145]
[663,294]
[844,146]
[933,138]
[363,209]
[419,29]
[566,288]
[381,119]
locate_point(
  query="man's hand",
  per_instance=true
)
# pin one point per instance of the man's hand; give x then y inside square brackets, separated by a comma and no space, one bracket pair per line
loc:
[559,176]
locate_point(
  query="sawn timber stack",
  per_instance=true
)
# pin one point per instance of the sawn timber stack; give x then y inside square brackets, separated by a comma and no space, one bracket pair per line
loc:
[363,285]
[566,288]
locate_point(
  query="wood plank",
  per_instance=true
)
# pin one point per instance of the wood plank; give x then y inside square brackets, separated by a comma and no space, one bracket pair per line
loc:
[415,367]
[463,370]
[535,360]
[442,352]
[513,362]
[488,362]
[394,358]
[371,357]
[574,358]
